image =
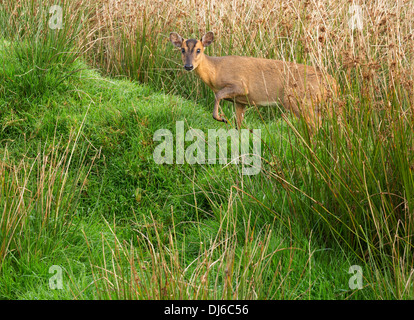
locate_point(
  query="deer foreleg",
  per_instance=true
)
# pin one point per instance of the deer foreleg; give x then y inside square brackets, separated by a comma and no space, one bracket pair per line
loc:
[225,93]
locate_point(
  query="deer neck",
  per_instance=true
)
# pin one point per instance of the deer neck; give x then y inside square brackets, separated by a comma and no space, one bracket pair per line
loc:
[206,70]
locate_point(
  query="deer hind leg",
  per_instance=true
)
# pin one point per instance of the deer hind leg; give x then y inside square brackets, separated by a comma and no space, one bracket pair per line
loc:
[306,108]
[240,108]
[312,112]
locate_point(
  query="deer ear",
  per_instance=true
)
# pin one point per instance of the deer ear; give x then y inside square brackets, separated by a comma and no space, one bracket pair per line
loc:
[207,39]
[176,39]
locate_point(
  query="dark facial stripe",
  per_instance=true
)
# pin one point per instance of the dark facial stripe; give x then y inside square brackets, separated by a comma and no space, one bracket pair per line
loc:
[191,44]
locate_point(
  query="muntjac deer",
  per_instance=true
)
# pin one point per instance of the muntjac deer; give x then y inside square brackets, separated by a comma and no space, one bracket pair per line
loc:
[255,81]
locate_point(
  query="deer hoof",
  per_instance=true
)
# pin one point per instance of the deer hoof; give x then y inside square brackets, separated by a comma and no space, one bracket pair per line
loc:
[218,118]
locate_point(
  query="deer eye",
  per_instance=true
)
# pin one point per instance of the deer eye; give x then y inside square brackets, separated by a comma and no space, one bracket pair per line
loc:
[183,50]
[198,50]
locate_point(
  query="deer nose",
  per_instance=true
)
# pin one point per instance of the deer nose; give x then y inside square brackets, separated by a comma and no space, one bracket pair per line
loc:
[188,67]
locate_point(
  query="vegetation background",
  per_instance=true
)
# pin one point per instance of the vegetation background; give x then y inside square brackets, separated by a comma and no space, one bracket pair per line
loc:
[79,189]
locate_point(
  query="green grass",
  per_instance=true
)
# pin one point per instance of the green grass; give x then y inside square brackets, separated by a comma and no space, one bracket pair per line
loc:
[79,187]
[120,210]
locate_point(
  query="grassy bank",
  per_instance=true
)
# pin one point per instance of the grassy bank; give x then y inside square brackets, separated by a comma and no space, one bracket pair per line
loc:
[80,189]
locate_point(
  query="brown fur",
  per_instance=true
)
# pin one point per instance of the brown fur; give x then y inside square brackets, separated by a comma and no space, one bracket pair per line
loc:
[255,81]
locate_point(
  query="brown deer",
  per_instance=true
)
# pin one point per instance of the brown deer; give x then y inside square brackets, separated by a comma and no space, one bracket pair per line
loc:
[255,81]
